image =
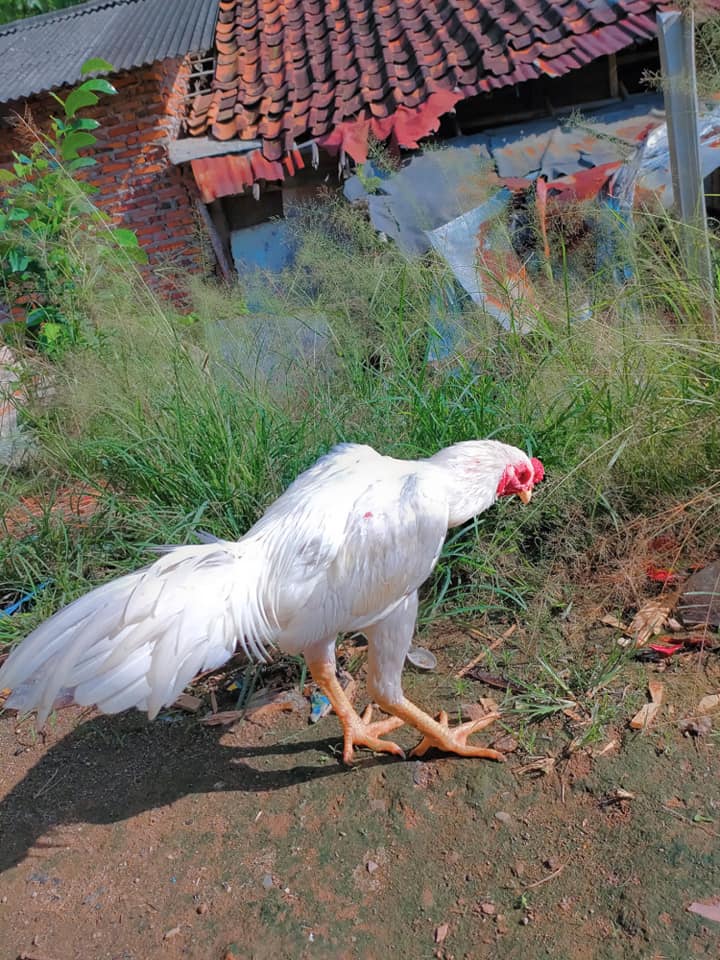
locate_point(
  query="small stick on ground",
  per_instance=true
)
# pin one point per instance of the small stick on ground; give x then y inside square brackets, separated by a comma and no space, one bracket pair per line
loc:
[46,786]
[493,646]
[550,876]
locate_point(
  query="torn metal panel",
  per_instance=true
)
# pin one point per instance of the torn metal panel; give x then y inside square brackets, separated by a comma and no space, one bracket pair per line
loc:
[427,191]
[654,172]
[229,175]
[477,248]
[554,148]
[440,185]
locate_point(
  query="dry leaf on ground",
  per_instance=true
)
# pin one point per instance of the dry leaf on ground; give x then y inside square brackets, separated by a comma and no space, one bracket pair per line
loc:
[645,716]
[709,703]
[651,618]
[709,910]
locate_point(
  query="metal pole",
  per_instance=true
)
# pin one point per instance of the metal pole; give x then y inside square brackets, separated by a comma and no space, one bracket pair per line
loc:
[677,57]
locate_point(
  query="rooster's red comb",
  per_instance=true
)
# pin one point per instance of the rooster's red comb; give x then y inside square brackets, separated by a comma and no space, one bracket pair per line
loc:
[539,470]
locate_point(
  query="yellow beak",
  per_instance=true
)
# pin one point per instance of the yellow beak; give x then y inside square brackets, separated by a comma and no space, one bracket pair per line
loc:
[525,495]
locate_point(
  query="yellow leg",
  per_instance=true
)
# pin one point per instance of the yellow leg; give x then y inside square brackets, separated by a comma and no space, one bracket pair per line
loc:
[439,734]
[357,731]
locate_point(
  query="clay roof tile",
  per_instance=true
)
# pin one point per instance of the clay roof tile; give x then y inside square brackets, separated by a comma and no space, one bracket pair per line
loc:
[294,69]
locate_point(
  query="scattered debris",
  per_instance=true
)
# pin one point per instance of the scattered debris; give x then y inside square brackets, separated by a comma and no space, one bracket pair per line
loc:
[480,710]
[492,680]
[661,575]
[550,876]
[24,599]
[610,621]
[699,601]
[493,645]
[441,932]
[616,796]
[709,703]
[277,701]
[709,909]
[666,649]
[503,817]
[645,716]
[371,866]
[187,701]
[608,748]
[651,618]
[537,767]
[695,726]
[421,658]
[488,908]
[222,718]
[479,238]
[320,706]
[171,933]
[505,744]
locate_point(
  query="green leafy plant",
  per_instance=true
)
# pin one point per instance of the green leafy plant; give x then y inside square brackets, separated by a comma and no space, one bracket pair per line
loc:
[46,215]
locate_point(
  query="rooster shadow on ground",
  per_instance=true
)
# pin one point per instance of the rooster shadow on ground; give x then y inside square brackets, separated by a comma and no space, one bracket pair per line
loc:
[109,769]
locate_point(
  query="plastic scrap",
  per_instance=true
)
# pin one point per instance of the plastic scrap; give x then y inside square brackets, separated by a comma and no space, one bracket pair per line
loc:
[26,598]
[660,575]
[421,658]
[710,910]
[320,706]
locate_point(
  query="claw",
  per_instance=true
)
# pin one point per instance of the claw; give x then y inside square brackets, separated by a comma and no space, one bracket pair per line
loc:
[361,732]
[454,739]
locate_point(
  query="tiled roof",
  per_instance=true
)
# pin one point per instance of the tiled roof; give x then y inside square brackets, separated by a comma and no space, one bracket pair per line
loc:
[45,52]
[336,70]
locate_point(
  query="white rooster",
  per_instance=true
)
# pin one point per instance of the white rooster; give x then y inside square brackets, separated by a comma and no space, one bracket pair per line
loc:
[345,548]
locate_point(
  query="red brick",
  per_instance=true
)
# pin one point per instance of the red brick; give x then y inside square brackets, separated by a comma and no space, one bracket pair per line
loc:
[134,177]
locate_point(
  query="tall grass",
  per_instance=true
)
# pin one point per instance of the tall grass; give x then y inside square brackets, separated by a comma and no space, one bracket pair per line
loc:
[621,406]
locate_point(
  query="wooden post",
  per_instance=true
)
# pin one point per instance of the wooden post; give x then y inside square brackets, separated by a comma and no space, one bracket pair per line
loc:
[677,58]
[613,77]
[219,245]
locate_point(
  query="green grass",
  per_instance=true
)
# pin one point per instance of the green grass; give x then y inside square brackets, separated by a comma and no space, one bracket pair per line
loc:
[622,408]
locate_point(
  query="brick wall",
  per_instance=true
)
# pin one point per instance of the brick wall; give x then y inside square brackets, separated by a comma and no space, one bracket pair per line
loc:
[137,185]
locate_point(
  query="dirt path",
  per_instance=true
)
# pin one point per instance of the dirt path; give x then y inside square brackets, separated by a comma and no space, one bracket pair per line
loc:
[127,840]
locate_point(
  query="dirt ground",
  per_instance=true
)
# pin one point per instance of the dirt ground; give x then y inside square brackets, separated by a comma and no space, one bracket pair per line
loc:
[125,840]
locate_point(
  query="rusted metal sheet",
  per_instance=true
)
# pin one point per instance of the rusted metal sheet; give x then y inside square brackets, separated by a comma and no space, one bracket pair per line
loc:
[482,259]
[231,174]
[465,233]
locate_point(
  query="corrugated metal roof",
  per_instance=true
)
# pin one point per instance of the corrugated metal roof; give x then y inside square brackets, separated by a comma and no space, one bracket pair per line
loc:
[45,52]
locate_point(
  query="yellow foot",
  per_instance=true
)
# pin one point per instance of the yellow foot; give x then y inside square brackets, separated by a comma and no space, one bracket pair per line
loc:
[454,740]
[360,732]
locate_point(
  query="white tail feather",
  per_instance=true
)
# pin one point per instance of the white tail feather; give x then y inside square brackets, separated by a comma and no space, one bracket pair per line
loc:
[139,640]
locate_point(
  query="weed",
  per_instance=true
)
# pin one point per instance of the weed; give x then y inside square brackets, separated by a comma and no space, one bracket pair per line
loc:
[622,406]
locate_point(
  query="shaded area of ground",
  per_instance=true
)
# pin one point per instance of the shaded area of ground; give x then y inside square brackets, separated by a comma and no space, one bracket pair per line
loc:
[127,840]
